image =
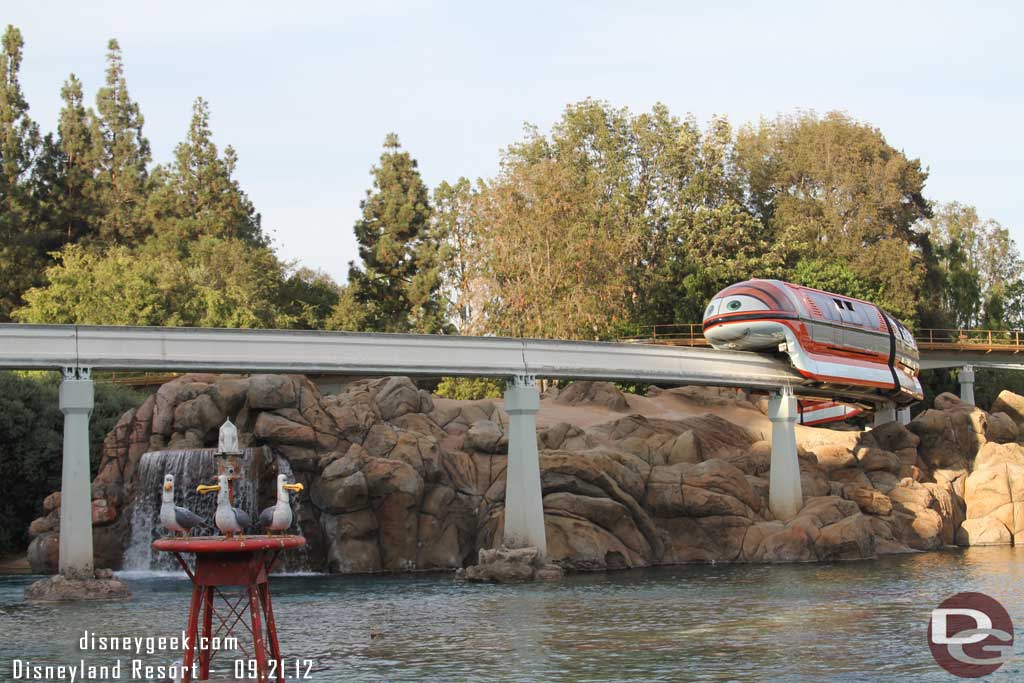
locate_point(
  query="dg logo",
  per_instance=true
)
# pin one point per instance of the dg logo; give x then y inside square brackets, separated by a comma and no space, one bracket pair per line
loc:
[970,635]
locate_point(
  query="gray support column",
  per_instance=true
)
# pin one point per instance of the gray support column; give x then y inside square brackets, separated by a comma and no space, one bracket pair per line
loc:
[524,505]
[76,401]
[885,412]
[903,415]
[785,495]
[967,384]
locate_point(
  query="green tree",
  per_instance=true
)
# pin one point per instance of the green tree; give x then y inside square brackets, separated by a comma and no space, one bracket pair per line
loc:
[308,297]
[397,288]
[218,283]
[198,195]
[64,177]
[831,187]
[20,263]
[980,264]
[455,216]
[123,156]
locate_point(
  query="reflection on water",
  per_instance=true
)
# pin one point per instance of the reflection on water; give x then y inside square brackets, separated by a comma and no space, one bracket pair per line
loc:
[857,621]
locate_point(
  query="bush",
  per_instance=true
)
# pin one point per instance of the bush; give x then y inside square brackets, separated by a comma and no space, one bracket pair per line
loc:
[470,388]
[31,441]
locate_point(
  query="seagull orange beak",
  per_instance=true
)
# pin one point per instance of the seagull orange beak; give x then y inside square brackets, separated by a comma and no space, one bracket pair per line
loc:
[294,487]
[167,486]
[203,488]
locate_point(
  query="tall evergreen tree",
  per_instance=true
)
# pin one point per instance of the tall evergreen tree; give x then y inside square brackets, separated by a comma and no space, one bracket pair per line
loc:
[397,287]
[123,154]
[197,195]
[64,176]
[19,145]
[77,131]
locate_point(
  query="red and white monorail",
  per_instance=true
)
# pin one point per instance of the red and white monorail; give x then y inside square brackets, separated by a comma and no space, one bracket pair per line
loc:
[832,339]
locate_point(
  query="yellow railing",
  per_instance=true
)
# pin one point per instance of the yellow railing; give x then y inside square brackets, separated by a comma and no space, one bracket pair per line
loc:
[994,340]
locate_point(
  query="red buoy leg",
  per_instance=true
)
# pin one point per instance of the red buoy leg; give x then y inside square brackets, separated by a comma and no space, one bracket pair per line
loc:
[257,635]
[205,652]
[268,613]
[192,635]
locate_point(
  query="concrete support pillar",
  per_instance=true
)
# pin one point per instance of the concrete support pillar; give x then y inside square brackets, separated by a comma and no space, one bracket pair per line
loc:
[785,495]
[524,504]
[903,415]
[76,401]
[967,384]
[885,412]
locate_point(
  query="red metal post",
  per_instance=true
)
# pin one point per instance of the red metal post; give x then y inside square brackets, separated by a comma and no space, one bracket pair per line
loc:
[191,633]
[205,652]
[268,613]
[257,635]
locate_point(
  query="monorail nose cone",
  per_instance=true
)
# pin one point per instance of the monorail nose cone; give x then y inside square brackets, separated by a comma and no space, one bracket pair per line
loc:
[227,442]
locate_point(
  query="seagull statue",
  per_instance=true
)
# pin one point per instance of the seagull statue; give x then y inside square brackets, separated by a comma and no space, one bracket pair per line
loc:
[230,520]
[176,518]
[278,517]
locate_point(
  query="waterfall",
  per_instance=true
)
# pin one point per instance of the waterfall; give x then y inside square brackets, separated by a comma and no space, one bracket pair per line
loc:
[190,468]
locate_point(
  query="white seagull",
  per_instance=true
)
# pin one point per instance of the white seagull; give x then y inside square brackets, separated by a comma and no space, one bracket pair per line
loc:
[176,518]
[230,520]
[278,517]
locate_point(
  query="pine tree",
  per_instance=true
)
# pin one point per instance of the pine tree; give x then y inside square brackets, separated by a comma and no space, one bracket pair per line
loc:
[397,288]
[197,195]
[77,131]
[19,145]
[64,175]
[123,155]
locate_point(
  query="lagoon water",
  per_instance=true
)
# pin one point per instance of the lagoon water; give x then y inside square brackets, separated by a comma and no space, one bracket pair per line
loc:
[855,621]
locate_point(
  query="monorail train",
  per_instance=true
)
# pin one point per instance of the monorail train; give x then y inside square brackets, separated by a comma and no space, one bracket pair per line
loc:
[835,340]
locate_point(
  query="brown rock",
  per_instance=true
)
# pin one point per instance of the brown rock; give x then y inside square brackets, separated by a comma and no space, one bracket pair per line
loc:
[1011,404]
[892,436]
[103,512]
[835,457]
[983,531]
[269,392]
[1001,428]
[685,449]
[51,502]
[997,491]
[200,414]
[505,565]
[354,412]
[397,396]
[60,589]
[380,440]
[339,494]
[44,553]
[875,459]
[50,522]
[992,454]
[869,500]
[851,538]
[948,401]
[948,437]
[277,428]
[485,436]
[594,393]
[352,542]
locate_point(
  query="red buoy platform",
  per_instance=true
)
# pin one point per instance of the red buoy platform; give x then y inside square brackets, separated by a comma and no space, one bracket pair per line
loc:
[240,561]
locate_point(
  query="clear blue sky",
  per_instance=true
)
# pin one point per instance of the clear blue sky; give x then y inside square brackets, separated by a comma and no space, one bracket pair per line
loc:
[307,91]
